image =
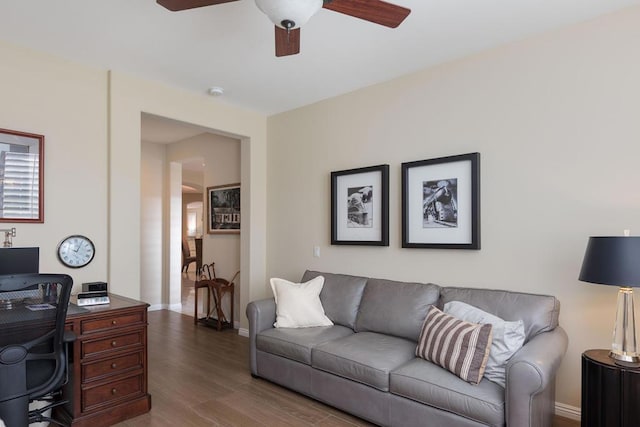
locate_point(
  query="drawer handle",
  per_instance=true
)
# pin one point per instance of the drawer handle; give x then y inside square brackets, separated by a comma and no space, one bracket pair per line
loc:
[113,343]
[114,391]
[114,366]
[114,322]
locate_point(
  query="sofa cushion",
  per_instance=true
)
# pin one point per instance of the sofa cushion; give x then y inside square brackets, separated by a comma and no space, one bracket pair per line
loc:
[538,312]
[458,346]
[340,296]
[366,357]
[432,385]
[395,308]
[298,304]
[296,344]
[507,337]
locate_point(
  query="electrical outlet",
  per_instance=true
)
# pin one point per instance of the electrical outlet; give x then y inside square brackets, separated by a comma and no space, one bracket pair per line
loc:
[316,251]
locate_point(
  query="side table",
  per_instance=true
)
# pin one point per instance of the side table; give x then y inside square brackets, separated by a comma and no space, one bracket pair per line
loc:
[610,392]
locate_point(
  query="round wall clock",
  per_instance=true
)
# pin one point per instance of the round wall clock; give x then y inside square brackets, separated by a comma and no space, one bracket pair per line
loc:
[76,251]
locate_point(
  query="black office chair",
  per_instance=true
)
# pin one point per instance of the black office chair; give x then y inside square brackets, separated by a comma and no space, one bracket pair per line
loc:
[33,356]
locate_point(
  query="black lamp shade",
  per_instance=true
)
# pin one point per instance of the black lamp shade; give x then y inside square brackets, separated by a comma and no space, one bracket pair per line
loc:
[612,261]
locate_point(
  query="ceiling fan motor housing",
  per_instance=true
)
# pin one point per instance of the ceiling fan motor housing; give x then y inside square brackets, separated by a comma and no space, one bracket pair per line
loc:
[289,14]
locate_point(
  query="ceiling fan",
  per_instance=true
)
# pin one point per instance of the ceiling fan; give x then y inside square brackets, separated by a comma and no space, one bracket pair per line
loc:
[289,15]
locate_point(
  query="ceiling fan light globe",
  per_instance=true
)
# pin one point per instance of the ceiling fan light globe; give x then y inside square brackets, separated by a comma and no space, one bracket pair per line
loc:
[296,11]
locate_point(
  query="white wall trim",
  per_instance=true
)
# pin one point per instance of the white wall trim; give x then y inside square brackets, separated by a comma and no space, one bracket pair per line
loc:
[156,307]
[175,307]
[243,332]
[567,411]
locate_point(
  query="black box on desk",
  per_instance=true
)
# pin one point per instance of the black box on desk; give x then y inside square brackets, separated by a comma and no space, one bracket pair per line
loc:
[94,287]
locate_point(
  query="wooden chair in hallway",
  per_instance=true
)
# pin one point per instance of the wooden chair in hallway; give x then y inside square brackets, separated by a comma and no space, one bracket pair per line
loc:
[186,255]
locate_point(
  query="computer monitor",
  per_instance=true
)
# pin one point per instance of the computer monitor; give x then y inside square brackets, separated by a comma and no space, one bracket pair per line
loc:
[19,260]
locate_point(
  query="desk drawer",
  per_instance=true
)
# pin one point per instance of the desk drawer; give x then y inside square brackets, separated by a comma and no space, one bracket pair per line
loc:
[116,365]
[112,343]
[109,393]
[99,325]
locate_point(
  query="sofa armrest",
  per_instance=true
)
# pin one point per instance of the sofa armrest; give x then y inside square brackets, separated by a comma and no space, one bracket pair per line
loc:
[261,315]
[531,374]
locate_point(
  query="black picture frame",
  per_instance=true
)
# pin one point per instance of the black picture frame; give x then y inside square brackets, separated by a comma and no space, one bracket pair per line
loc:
[360,206]
[441,203]
[223,209]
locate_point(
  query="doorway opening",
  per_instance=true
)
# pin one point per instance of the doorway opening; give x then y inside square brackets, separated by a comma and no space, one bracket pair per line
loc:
[179,162]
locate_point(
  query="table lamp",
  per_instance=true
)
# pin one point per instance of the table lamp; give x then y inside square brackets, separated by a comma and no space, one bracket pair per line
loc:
[615,261]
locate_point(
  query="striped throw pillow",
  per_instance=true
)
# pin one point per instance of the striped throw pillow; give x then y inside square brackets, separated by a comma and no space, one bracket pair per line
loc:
[458,346]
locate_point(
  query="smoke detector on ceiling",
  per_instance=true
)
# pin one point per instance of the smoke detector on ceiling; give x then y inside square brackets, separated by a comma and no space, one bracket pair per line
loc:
[216,91]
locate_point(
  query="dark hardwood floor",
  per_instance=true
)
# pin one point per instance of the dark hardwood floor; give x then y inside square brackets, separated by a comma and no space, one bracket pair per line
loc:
[200,377]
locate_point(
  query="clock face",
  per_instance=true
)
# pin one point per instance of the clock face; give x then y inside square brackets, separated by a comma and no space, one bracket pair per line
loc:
[76,251]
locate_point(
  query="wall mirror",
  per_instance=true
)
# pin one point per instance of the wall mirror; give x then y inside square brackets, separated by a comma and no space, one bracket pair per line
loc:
[21,176]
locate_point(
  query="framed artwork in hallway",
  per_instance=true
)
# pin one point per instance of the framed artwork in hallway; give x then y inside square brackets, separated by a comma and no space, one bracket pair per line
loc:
[223,209]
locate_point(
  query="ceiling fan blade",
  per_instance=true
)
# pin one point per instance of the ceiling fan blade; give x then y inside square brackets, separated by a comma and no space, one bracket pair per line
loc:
[177,5]
[376,11]
[287,42]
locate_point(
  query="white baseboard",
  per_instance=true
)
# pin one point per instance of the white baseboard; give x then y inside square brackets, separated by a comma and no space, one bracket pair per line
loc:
[176,307]
[243,332]
[156,307]
[567,411]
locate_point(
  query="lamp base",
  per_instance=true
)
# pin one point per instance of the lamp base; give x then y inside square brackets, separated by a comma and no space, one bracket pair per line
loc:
[624,358]
[625,347]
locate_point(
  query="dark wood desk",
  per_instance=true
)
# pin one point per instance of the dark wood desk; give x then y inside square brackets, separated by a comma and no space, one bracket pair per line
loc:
[108,378]
[610,392]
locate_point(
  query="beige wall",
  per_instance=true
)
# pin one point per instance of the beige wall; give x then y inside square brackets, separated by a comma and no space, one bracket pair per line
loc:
[91,122]
[221,156]
[192,178]
[153,249]
[68,105]
[556,122]
[129,97]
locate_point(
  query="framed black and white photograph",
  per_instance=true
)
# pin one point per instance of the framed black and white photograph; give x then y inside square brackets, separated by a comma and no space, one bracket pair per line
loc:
[223,209]
[441,203]
[360,206]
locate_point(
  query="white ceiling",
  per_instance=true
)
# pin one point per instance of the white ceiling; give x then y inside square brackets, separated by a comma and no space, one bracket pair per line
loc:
[161,130]
[231,45]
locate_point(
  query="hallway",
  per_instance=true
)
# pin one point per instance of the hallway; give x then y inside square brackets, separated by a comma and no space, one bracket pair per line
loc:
[187,294]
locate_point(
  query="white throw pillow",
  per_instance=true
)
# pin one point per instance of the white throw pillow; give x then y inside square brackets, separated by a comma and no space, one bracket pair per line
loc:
[508,337]
[298,304]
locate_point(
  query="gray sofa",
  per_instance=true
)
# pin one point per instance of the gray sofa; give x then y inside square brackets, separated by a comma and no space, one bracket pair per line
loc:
[365,363]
